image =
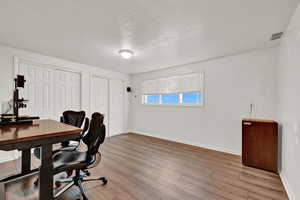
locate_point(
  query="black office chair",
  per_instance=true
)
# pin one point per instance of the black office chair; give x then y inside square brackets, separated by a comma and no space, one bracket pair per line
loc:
[71,118]
[75,119]
[65,161]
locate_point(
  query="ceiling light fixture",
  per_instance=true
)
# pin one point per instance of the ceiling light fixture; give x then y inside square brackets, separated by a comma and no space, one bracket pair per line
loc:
[126,54]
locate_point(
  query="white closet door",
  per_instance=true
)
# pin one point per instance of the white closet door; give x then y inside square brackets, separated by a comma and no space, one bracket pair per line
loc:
[67,92]
[99,98]
[116,107]
[38,90]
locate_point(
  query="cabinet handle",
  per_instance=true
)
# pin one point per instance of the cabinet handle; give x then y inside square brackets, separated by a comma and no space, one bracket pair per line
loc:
[247,123]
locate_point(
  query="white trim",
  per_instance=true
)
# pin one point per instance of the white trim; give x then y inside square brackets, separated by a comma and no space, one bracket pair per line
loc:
[199,105]
[95,75]
[44,64]
[221,149]
[15,155]
[206,146]
[124,83]
[10,158]
[180,103]
[287,186]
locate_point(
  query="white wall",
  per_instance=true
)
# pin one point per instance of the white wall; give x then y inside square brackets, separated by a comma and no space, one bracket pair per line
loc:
[7,55]
[231,84]
[288,106]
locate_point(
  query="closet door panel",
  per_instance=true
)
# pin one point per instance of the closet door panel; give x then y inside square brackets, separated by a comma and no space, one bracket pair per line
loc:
[38,90]
[116,107]
[67,92]
[99,98]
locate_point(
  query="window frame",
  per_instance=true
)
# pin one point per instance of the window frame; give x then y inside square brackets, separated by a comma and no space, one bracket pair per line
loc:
[180,104]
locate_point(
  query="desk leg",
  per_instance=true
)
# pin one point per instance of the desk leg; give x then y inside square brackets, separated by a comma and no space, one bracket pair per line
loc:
[2,191]
[46,173]
[26,161]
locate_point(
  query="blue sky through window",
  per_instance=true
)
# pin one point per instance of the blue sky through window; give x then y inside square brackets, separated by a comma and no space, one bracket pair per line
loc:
[193,97]
[153,98]
[170,98]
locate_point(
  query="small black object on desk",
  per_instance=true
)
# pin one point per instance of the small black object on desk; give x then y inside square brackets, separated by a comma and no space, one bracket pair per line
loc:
[12,119]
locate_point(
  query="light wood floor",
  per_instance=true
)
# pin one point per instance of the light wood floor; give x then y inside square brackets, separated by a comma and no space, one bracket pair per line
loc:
[144,168]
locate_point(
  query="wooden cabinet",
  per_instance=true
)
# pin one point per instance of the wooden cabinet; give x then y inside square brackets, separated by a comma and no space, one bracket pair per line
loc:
[260,144]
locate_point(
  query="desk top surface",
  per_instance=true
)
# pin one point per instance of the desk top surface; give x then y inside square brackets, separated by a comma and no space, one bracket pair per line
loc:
[42,130]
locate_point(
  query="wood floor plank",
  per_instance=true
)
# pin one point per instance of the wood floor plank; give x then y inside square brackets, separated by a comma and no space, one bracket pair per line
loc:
[144,168]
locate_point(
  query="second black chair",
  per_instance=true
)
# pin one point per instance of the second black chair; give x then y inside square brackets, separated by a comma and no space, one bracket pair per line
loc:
[72,118]
[75,119]
[65,161]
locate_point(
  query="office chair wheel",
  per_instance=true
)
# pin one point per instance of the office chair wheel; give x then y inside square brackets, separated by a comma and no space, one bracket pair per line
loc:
[104,181]
[36,182]
[69,173]
[57,184]
[86,172]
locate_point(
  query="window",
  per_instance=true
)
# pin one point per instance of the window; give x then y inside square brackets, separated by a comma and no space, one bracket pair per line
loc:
[192,98]
[153,98]
[177,90]
[188,98]
[169,98]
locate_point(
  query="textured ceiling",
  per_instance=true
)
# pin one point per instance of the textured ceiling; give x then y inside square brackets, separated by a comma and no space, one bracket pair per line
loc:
[162,33]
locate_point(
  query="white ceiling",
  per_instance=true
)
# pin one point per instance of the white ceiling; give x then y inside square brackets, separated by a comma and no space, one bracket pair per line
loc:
[162,33]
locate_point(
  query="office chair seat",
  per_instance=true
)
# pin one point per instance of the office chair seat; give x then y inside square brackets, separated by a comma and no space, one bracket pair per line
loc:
[72,160]
[80,162]
[64,159]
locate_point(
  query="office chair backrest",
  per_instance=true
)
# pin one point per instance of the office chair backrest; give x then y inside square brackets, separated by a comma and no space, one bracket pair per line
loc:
[73,118]
[96,134]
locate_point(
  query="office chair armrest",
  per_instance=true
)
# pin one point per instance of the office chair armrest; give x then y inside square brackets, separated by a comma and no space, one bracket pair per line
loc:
[64,149]
[85,127]
[84,130]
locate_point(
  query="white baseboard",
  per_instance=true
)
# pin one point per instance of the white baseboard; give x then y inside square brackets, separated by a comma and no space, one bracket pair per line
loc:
[206,146]
[9,156]
[7,159]
[221,149]
[287,186]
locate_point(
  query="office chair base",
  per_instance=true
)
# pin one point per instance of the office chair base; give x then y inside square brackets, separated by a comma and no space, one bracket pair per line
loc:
[36,182]
[77,180]
[59,182]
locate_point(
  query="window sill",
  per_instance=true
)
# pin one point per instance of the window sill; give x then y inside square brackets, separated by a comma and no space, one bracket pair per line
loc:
[175,105]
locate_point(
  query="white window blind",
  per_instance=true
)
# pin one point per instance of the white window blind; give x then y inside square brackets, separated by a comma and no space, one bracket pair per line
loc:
[175,84]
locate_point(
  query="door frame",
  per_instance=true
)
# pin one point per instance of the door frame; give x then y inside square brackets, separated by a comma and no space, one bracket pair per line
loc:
[123,103]
[108,98]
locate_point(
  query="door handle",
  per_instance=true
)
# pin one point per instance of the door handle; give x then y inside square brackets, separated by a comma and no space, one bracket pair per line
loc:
[247,123]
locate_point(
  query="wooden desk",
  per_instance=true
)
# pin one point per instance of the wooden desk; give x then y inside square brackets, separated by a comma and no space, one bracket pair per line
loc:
[44,135]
